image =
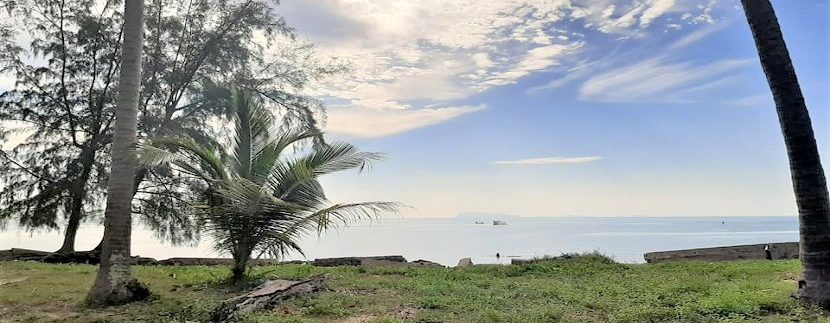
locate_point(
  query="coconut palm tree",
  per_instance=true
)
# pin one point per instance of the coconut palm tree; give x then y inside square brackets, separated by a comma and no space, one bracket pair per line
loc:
[114,283]
[263,194]
[808,178]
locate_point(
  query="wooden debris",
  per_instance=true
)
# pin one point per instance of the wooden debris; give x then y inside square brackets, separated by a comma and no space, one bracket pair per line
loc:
[267,296]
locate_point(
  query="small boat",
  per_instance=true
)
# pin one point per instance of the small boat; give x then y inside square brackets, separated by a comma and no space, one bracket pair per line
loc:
[499,223]
[479,222]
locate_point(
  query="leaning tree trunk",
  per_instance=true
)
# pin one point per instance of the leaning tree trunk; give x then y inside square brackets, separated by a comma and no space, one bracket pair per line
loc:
[78,194]
[114,283]
[807,174]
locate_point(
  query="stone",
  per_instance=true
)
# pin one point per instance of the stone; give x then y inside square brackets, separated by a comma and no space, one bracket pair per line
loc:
[353,261]
[782,250]
[427,263]
[465,262]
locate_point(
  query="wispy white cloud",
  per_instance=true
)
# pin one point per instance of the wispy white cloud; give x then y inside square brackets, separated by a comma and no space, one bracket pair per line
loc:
[368,123]
[549,161]
[654,79]
[696,36]
[760,100]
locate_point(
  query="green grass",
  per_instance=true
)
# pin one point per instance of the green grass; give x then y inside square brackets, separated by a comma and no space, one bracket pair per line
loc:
[577,289]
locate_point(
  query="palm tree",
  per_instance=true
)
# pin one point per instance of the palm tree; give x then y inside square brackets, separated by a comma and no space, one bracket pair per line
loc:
[262,196]
[808,176]
[114,283]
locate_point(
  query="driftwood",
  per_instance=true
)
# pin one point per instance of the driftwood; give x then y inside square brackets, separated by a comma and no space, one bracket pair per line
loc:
[267,296]
[21,254]
[92,257]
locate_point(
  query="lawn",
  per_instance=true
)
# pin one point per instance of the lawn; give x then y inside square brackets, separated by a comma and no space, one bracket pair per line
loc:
[586,289]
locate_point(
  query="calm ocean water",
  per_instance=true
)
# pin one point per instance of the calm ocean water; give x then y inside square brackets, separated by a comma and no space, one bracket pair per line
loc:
[447,240]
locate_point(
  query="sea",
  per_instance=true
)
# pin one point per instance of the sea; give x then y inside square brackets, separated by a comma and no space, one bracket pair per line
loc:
[446,240]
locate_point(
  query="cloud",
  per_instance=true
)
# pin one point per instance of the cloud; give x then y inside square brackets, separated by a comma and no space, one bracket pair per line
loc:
[549,161]
[654,79]
[657,9]
[410,54]
[364,123]
[760,100]
[696,36]
[705,15]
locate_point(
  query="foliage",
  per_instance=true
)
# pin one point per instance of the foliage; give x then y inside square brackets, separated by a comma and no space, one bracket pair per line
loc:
[65,94]
[260,198]
[572,290]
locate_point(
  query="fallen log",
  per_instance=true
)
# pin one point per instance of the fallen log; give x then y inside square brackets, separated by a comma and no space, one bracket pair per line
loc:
[267,296]
[78,257]
[17,253]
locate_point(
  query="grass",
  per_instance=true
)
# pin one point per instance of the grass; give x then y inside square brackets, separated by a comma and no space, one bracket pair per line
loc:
[587,288]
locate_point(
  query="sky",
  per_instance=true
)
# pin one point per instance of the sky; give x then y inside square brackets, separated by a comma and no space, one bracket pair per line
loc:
[562,108]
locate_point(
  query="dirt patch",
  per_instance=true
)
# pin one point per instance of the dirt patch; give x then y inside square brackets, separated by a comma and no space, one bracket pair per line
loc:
[358,319]
[407,313]
[11,280]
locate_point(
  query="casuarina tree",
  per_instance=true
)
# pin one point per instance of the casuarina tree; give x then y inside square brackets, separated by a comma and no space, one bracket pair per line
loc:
[65,93]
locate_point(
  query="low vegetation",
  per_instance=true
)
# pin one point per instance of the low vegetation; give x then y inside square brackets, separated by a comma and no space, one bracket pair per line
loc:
[567,289]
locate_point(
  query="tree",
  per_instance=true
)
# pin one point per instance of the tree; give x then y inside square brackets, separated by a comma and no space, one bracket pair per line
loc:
[64,100]
[809,183]
[66,97]
[261,197]
[114,283]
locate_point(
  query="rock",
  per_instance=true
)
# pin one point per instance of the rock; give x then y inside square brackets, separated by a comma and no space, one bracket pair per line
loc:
[465,262]
[427,263]
[267,296]
[353,261]
[143,261]
[387,263]
[383,263]
[517,261]
[783,250]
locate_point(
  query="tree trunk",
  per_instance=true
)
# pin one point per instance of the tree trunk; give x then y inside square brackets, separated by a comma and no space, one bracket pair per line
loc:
[241,257]
[68,245]
[139,177]
[809,183]
[114,283]
[76,215]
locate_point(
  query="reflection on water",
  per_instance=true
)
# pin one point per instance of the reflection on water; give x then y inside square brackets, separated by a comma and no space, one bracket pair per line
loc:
[447,240]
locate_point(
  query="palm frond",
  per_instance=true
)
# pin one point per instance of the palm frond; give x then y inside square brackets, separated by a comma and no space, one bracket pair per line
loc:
[338,156]
[149,156]
[268,158]
[196,153]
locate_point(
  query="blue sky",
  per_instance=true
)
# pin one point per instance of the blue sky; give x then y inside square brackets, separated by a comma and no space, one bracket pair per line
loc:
[555,108]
